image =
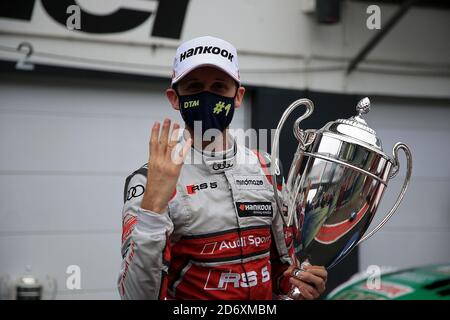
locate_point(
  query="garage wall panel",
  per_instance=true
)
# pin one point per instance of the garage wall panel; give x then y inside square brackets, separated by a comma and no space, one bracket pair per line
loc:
[419,232]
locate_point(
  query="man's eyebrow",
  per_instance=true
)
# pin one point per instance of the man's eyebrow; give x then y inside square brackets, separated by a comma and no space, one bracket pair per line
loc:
[191,79]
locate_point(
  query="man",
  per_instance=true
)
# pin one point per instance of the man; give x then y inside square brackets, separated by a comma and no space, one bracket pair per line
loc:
[193,227]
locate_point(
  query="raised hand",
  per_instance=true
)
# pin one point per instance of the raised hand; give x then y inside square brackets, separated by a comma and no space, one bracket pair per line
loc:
[164,166]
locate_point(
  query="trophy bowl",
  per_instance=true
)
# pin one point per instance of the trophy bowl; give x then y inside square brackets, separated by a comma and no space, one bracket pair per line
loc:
[335,184]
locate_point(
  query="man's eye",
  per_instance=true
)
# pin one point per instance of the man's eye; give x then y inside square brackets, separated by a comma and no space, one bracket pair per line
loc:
[220,86]
[194,86]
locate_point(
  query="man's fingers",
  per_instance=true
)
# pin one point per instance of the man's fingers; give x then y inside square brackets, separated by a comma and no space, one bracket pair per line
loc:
[310,278]
[164,135]
[186,148]
[173,137]
[318,271]
[308,292]
[289,270]
[154,138]
[178,154]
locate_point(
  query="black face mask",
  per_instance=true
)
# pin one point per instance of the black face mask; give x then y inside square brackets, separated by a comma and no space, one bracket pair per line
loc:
[213,110]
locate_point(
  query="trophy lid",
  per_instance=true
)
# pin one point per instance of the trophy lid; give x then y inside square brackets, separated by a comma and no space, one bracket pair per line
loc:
[356,127]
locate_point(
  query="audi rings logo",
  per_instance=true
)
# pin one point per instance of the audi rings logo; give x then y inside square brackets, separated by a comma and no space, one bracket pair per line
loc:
[222,166]
[135,191]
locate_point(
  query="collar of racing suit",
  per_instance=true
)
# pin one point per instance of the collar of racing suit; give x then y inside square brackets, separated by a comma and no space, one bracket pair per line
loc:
[214,161]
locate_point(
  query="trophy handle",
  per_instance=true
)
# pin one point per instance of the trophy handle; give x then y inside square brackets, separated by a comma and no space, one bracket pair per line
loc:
[299,134]
[404,147]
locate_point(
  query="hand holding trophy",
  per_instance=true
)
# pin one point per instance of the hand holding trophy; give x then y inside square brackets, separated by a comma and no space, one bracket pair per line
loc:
[334,186]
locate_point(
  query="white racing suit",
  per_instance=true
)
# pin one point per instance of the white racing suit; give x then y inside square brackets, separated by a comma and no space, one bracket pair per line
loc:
[221,237]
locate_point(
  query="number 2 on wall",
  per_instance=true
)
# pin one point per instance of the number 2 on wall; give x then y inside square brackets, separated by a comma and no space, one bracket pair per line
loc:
[23,63]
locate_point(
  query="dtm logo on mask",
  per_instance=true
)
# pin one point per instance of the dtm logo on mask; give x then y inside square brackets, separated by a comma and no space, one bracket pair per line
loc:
[218,280]
[193,188]
[191,104]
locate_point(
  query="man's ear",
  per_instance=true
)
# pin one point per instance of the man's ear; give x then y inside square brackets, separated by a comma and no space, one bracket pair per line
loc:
[239,97]
[172,96]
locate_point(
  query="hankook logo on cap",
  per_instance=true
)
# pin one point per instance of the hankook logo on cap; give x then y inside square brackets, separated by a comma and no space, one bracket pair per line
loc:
[206,49]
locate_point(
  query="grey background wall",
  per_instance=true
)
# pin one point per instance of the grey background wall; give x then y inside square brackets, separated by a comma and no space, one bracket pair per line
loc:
[419,233]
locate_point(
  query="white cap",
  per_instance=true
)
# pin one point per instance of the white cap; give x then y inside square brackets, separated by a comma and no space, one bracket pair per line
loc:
[205,51]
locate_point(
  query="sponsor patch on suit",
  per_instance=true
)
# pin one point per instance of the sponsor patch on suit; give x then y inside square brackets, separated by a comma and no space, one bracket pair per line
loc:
[250,182]
[256,209]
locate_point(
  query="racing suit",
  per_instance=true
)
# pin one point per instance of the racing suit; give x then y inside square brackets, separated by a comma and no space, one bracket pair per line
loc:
[220,238]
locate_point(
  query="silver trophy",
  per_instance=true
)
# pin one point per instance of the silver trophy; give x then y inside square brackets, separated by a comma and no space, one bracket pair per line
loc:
[334,186]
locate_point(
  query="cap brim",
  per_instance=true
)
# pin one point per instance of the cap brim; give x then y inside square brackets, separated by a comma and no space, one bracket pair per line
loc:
[186,72]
